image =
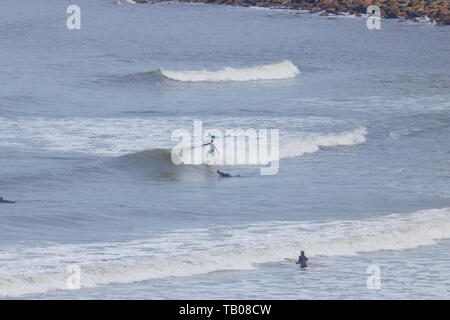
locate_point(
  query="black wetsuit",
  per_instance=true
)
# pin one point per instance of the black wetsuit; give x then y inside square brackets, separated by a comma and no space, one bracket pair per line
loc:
[302,261]
[6,201]
[223,174]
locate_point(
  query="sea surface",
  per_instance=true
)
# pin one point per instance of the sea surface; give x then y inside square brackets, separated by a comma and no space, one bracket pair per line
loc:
[101,212]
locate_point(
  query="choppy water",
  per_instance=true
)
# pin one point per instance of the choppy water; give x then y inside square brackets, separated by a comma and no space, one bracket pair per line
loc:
[86,118]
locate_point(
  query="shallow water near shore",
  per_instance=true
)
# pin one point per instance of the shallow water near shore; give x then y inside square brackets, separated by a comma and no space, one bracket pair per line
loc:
[86,118]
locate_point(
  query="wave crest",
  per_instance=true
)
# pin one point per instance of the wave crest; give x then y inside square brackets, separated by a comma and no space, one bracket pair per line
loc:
[282,70]
[313,143]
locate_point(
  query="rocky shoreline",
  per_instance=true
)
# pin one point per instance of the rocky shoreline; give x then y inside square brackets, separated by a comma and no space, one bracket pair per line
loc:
[437,10]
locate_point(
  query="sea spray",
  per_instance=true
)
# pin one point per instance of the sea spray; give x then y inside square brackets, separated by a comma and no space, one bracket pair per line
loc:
[282,70]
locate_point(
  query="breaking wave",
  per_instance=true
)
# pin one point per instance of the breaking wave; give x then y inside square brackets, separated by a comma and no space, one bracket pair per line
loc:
[313,143]
[158,163]
[122,136]
[287,148]
[228,248]
[282,70]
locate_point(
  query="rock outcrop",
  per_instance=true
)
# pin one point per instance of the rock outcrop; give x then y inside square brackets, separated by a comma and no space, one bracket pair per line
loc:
[436,10]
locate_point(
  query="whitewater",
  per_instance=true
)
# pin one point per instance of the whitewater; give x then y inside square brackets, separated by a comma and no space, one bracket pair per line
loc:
[282,70]
[86,124]
[237,248]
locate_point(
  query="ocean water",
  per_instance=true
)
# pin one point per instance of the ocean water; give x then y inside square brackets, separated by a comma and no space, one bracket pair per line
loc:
[86,118]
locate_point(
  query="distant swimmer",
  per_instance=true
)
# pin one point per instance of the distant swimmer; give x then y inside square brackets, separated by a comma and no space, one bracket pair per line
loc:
[5,201]
[225,175]
[302,260]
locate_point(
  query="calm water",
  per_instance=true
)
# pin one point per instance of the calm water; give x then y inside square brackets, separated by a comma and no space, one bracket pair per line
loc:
[86,118]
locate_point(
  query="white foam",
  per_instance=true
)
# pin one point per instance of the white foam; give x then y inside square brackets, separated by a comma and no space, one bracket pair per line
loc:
[38,269]
[289,147]
[283,70]
[313,143]
[119,136]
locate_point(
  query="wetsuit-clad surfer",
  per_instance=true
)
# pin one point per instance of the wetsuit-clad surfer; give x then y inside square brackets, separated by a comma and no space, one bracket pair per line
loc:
[5,201]
[212,147]
[225,175]
[302,260]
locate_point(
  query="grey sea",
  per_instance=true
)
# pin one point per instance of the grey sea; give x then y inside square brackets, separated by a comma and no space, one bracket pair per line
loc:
[102,212]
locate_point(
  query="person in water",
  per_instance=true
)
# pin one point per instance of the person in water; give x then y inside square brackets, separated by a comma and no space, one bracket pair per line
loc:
[302,260]
[225,175]
[5,201]
[212,146]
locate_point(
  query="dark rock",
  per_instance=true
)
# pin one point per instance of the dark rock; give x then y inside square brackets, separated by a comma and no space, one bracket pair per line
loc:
[439,10]
[444,21]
